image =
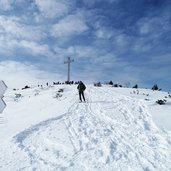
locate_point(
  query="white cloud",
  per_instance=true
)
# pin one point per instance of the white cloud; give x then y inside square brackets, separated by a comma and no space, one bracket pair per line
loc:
[85,51]
[141,45]
[107,60]
[122,40]
[52,8]
[77,51]
[70,25]
[96,55]
[6,5]
[90,3]
[153,27]
[104,33]
[17,74]
[13,27]
[162,60]
[15,35]
[9,46]
[35,48]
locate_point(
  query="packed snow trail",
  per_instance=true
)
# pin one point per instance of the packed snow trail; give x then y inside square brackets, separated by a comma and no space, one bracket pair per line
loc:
[109,132]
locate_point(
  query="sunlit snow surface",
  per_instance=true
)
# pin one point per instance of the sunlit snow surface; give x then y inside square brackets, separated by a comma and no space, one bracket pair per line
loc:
[113,130]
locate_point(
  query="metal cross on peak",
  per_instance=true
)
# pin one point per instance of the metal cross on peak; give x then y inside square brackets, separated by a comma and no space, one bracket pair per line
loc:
[68,62]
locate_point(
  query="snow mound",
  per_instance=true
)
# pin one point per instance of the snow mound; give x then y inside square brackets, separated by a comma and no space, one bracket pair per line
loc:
[109,132]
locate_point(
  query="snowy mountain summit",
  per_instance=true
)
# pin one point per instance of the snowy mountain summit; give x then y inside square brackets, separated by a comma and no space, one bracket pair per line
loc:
[46,129]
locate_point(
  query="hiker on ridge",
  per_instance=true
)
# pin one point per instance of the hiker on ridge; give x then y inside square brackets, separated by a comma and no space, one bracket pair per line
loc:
[81,87]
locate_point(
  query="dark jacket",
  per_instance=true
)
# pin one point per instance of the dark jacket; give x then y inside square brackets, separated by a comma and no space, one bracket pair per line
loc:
[81,87]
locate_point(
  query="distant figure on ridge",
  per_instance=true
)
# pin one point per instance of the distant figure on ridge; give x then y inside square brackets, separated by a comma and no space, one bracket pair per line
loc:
[81,87]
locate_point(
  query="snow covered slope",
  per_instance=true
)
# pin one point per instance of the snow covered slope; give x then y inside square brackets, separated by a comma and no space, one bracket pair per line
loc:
[47,130]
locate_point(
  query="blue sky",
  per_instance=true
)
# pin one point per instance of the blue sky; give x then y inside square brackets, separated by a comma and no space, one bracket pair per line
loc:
[127,42]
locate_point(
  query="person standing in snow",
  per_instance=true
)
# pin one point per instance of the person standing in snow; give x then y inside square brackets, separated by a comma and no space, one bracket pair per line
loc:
[81,87]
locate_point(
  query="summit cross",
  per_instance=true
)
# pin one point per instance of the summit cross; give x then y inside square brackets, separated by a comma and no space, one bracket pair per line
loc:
[68,62]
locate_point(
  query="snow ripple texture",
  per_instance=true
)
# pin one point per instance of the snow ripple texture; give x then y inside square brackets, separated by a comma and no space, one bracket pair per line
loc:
[109,132]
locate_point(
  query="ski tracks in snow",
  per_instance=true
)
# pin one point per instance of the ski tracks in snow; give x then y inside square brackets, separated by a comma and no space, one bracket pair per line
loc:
[110,132]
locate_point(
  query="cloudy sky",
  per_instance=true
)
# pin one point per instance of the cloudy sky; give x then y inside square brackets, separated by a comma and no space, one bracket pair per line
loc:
[127,42]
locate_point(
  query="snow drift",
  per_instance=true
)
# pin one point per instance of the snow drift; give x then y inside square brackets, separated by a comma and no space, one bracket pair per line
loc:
[110,132]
